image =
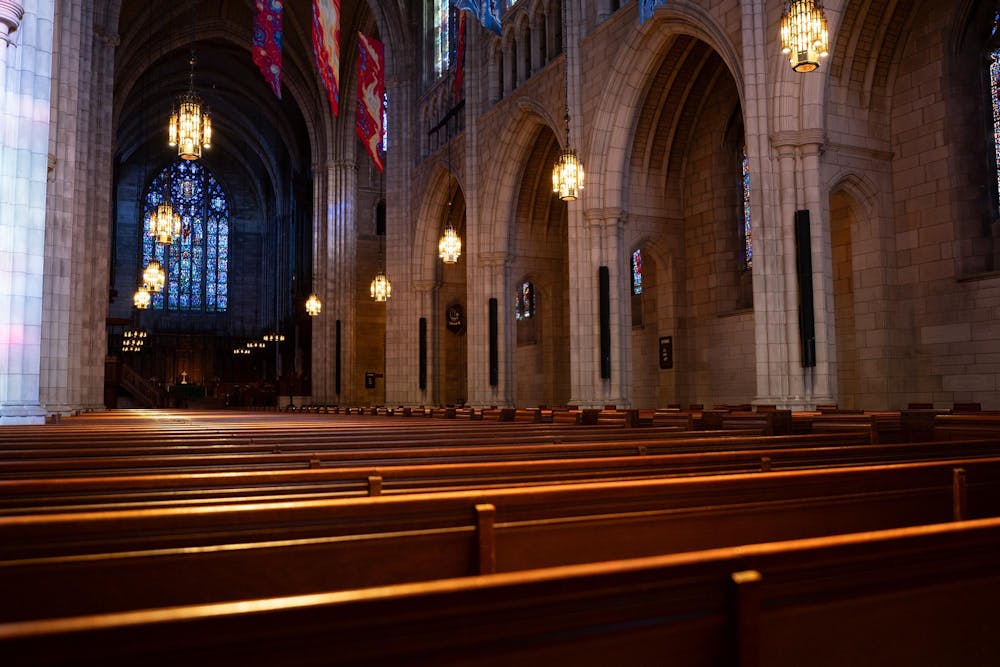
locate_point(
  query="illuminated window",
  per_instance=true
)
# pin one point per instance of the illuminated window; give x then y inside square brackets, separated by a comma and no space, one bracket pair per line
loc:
[442,34]
[524,301]
[747,231]
[637,271]
[197,264]
[995,102]
[385,122]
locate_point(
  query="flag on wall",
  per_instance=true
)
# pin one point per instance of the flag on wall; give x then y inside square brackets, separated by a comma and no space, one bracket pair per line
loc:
[326,47]
[486,12]
[460,57]
[647,7]
[267,42]
[371,92]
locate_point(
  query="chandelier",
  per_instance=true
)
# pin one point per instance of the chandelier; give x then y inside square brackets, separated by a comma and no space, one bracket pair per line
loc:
[190,128]
[141,298]
[133,340]
[381,288]
[165,223]
[274,337]
[313,305]
[450,246]
[153,277]
[567,174]
[240,350]
[804,34]
[255,345]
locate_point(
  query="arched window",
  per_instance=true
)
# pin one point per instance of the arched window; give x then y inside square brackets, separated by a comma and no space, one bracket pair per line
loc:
[637,271]
[994,61]
[524,301]
[747,227]
[442,28]
[196,264]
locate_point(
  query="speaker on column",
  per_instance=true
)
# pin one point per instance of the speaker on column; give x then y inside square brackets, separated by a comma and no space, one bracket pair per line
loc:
[604,290]
[494,351]
[422,337]
[336,356]
[803,269]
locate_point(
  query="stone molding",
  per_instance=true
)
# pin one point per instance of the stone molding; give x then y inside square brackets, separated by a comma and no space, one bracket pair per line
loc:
[496,258]
[10,19]
[798,138]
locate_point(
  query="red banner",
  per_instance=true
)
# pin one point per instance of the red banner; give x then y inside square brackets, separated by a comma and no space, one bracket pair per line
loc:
[267,42]
[371,93]
[326,47]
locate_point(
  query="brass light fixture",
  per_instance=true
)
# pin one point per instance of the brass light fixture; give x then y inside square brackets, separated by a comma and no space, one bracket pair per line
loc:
[153,277]
[274,337]
[141,298]
[567,173]
[804,34]
[450,245]
[381,288]
[313,305]
[190,128]
[165,223]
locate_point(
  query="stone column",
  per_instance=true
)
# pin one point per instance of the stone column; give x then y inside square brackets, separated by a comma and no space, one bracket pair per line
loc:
[494,282]
[426,297]
[321,372]
[24,110]
[794,386]
[339,271]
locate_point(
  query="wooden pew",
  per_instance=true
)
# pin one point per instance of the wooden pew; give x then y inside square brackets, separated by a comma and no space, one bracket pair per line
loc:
[80,494]
[915,596]
[966,425]
[99,562]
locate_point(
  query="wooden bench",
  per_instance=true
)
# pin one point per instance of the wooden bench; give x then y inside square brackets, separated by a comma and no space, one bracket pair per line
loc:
[914,596]
[99,562]
[964,426]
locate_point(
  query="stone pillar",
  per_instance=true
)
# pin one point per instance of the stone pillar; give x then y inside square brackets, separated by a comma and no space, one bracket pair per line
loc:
[25,92]
[794,388]
[426,296]
[339,262]
[494,282]
[321,372]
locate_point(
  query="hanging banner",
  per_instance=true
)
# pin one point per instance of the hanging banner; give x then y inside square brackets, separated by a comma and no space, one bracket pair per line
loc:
[326,47]
[267,42]
[647,7]
[460,57]
[486,12]
[371,93]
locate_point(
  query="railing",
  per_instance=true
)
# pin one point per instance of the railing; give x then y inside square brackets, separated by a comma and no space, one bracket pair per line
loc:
[144,391]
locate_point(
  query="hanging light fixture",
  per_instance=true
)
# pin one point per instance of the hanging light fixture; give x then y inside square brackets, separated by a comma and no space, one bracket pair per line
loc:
[804,34]
[567,173]
[190,128]
[450,245]
[141,298]
[165,223]
[274,337]
[153,277]
[313,305]
[381,288]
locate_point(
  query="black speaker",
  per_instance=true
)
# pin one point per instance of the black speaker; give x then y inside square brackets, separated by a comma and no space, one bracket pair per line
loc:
[336,356]
[422,337]
[604,290]
[803,269]
[494,351]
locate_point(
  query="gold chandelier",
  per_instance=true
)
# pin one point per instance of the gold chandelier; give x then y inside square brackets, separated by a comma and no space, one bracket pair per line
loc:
[153,277]
[190,128]
[165,223]
[804,34]
[450,246]
[313,305]
[567,175]
[381,288]
[141,298]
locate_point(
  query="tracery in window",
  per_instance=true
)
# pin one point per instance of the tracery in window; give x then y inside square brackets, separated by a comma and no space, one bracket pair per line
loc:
[197,264]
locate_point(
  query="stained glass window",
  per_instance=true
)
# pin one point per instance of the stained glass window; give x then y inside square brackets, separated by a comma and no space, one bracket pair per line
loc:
[196,264]
[747,226]
[385,122]
[995,100]
[637,271]
[441,27]
[524,301]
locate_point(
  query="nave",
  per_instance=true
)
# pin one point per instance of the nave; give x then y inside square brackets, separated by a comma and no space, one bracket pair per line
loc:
[488,537]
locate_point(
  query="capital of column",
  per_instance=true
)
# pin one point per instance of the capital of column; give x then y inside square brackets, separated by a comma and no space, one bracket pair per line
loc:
[423,286]
[495,258]
[606,217]
[787,142]
[10,19]
[341,164]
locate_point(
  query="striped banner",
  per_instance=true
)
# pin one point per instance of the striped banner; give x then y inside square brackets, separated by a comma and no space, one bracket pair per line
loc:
[267,42]
[486,12]
[326,47]
[371,92]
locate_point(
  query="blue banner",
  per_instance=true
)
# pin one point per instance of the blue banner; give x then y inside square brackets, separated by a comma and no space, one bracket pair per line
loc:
[647,7]
[486,12]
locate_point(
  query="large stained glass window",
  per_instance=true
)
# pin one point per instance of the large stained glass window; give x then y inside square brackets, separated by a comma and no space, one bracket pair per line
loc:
[196,264]
[995,101]
[524,301]
[385,123]
[747,226]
